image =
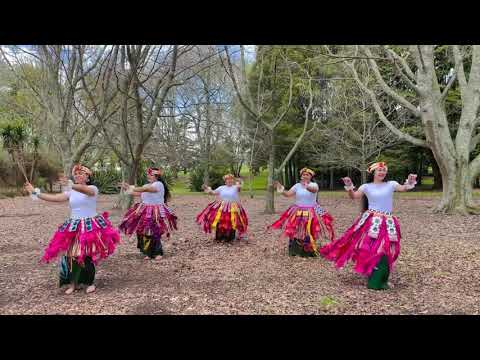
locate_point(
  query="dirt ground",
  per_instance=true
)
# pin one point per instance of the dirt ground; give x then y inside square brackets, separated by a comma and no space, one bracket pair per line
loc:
[438,271]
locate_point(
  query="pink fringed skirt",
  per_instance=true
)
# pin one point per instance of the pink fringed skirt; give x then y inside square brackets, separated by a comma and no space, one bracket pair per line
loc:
[92,237]
[312,223]
[224,216]
[152,220]
[372,235]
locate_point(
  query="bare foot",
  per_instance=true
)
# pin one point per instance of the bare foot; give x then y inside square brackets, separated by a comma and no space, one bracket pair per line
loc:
[90,289]
[70,290]
[158,258]
[146,258]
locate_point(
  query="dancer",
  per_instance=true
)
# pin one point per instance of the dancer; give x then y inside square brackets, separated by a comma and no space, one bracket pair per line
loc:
[151,218]
[373,241]
[225,216]
[85,238]
[306,224]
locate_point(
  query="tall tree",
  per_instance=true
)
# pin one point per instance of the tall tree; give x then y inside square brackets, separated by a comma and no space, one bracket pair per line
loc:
[56,89]
[426,102]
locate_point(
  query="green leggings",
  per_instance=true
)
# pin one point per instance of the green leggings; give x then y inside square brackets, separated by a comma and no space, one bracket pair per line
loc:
[378,280]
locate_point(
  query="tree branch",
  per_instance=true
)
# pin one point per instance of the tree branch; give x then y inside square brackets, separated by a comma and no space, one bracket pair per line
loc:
[460,70]
[404,64]
[387,88]
[400,134]
[448,87]
[231,75]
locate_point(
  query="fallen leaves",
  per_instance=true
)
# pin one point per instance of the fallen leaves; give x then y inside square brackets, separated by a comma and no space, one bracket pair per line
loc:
[438,271]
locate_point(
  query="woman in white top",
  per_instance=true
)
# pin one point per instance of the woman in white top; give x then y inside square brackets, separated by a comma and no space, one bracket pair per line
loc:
[305,223]
[85,238]
[373,241]
[225,216]
[152,218]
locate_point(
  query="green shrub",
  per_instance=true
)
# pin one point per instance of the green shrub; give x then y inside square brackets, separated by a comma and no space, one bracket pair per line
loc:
[107,181]
[41,183]
[215,174]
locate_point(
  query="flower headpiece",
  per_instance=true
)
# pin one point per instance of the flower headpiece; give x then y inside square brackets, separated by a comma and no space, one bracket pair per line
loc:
[82,169]
[151,171]
[377,165]
[308,171]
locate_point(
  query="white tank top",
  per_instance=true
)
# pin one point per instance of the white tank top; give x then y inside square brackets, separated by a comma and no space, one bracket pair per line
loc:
[303,197]
[380,196]
[228,193]
[155,198]
[82,205]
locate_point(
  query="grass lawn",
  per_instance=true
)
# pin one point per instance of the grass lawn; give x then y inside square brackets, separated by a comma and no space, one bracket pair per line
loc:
[260,183]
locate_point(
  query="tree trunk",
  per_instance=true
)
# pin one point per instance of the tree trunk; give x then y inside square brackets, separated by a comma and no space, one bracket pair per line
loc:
[250,185]
[67,163]
[208,135]
[332,183]
[457,195]
[270,199]
[437,176]
[420,169]
[363,174]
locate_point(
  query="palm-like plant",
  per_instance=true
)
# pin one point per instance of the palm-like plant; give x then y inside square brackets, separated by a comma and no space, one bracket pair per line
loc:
[14,136]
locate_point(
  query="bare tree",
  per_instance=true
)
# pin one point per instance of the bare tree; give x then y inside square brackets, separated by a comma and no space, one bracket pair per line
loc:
[351,135]
[259,108]
[56,89]
[427,104]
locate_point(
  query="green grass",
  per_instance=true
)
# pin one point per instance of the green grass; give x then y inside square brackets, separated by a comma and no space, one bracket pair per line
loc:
[328,302]
[427,180]
[181,186]
[260,183]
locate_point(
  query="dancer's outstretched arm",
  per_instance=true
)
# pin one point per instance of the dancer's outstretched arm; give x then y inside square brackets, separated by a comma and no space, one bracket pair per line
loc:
[84,189]
[208,190]
[351,188]
[409,183]
[281,189]
[137,191]
[47,197]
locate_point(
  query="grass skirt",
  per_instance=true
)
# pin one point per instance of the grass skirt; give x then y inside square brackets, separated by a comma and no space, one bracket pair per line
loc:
[92,237]
[223,217]
[150,220]
[309,226]
[372,235]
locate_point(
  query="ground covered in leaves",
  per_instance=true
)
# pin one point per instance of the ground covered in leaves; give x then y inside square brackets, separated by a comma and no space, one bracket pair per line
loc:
[438,271]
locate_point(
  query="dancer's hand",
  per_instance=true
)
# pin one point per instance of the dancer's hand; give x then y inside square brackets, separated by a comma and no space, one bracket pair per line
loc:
[347,181]
[280,188]
[412,179]
[29,187]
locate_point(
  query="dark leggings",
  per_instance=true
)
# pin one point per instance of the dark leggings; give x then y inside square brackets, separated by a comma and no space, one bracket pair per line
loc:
[73,272]
[296,248]
[149,245]
[226,236]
